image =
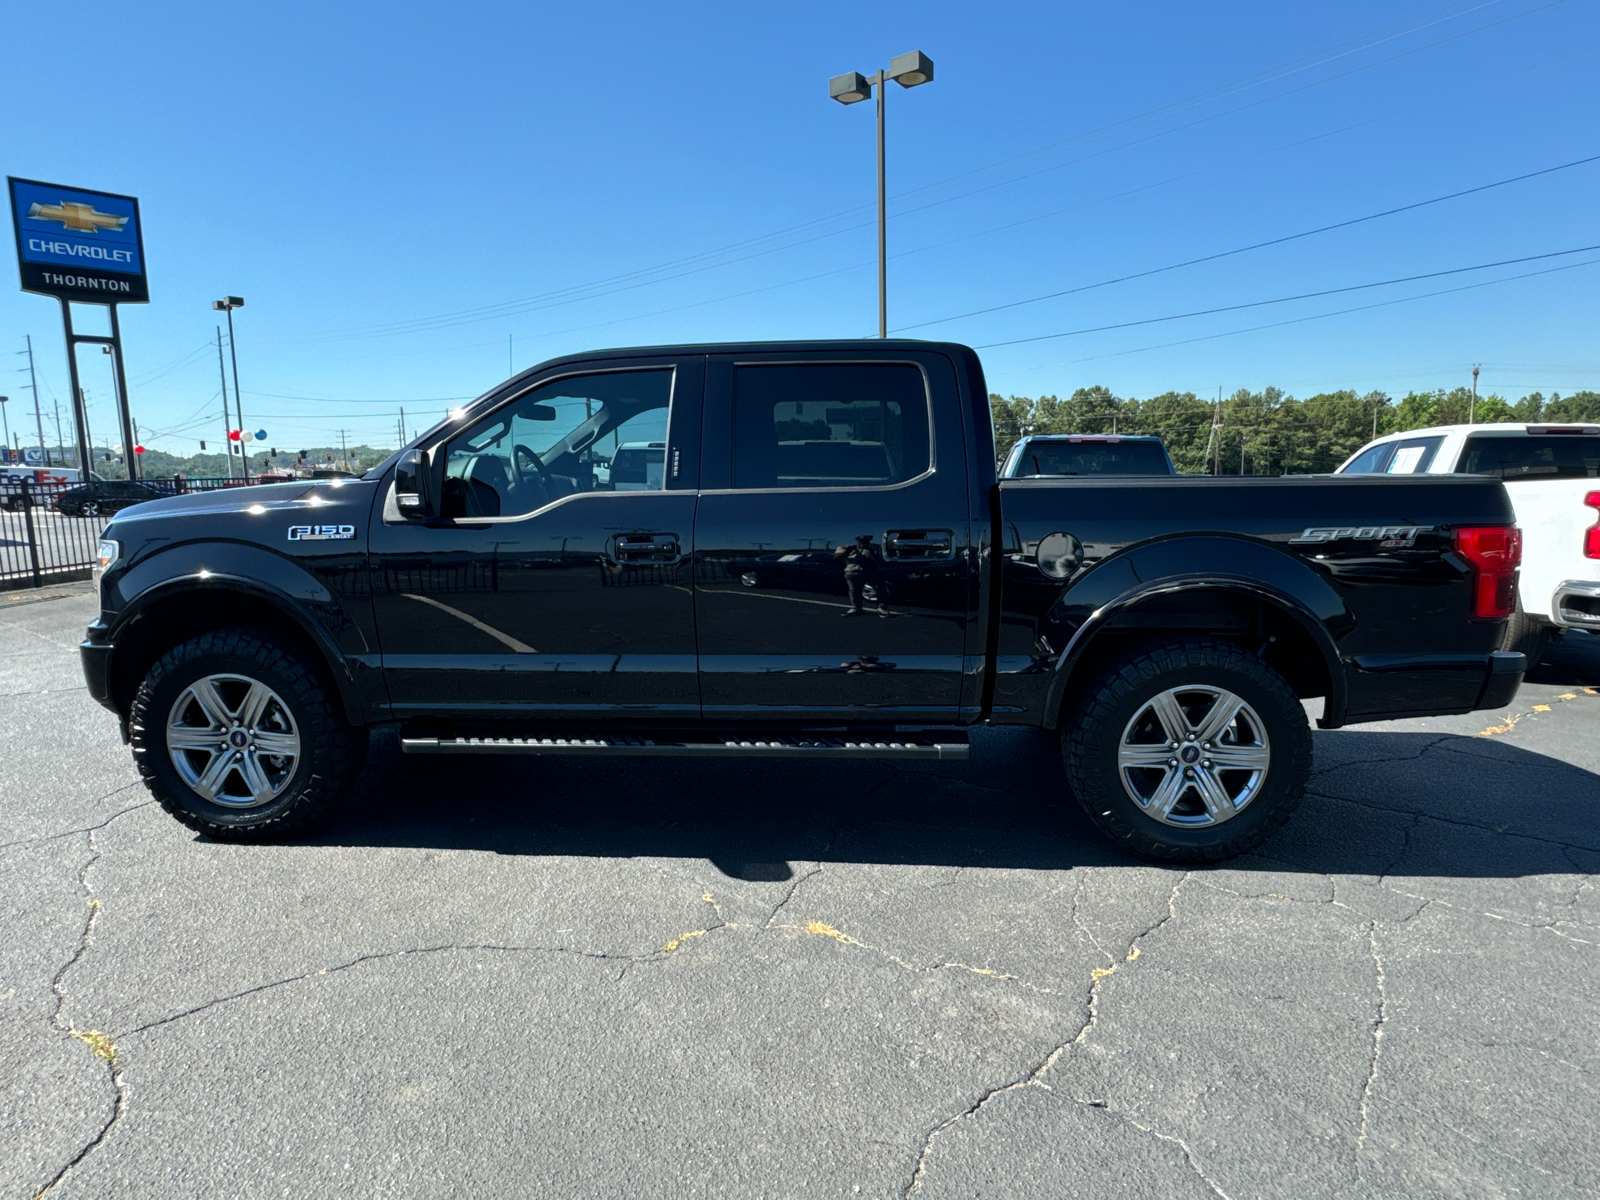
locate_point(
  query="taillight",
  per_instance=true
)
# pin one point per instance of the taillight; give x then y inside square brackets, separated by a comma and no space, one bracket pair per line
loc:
[1591,535]
[1494,553]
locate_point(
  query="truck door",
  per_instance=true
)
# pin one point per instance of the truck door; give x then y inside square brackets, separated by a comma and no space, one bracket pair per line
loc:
[832,547]
[556,581]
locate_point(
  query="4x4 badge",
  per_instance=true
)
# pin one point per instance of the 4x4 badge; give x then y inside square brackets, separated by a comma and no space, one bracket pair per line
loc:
[321,533]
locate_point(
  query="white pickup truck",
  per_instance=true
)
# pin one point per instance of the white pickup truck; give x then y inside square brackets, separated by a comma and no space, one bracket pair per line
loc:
[1552,474]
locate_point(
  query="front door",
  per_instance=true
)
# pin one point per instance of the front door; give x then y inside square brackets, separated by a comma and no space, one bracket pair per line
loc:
[556,582]
[832,547]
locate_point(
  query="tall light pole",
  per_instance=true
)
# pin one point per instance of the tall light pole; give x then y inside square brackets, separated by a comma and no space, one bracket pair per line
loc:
[908,70]
[7,420]
[227,304]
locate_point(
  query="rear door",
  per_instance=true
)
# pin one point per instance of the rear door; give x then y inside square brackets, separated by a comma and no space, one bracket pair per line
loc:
[832,545]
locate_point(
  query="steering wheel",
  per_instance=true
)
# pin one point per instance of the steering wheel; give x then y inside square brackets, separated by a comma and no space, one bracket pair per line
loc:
[528,466]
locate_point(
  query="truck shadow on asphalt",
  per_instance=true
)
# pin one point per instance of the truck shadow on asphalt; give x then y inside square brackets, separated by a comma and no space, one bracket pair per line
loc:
[1379,803]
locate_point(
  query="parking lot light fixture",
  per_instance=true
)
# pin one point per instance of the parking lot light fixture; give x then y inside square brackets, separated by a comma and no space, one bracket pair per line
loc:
[850,88]
[908,70]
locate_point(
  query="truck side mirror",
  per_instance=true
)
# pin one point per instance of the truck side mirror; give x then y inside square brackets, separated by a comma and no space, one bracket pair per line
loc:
[411,484]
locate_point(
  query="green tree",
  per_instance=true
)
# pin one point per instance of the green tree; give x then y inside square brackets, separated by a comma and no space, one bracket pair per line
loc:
[1580,406]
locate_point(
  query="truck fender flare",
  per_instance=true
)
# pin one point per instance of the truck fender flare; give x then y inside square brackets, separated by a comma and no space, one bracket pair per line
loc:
[267,589]
[1255,570]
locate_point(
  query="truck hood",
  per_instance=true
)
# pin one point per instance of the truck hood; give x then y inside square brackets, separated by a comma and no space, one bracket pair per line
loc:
[254,500]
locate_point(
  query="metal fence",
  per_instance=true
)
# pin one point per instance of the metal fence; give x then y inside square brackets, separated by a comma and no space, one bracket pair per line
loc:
[45,534]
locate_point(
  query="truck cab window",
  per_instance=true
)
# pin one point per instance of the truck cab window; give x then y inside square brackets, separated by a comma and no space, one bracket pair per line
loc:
[1371,461]
[1413,456]
[587,433]
[832,425]
[1562,456]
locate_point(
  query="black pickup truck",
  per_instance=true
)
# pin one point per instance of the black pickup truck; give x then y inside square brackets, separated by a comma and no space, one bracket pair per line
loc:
[789,549]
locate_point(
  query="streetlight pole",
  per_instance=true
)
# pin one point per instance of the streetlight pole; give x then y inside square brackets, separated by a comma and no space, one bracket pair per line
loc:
[908,70]
[227,304]
[7,420]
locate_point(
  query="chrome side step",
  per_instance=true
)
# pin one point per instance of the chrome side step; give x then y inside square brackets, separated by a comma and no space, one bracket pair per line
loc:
[953,748]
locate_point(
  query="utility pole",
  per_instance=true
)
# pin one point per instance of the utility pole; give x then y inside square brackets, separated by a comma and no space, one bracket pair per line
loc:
[1215,445]
[222,372]
[402,427]
[1472,411]
[344,450]
[1242,436]
[33,382]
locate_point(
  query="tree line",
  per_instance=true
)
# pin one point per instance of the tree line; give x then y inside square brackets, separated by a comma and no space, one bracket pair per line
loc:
[1268,432]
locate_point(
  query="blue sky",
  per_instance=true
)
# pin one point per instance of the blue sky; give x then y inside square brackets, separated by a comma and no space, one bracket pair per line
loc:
[397,190]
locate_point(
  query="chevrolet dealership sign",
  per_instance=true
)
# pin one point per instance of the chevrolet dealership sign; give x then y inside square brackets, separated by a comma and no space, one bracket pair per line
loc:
[84,246]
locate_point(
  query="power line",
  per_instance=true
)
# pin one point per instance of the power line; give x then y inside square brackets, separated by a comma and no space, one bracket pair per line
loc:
[1344,311]
[1355,287]
[1277,241]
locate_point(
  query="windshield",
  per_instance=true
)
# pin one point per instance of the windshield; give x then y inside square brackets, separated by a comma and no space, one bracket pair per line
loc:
[1548,456]
[1040,457]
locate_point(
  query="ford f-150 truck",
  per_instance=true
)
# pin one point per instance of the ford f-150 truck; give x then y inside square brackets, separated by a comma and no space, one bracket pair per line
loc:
[821,563]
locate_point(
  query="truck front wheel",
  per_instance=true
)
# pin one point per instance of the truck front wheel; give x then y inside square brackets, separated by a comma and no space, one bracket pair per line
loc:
[1188,751]
[237,735]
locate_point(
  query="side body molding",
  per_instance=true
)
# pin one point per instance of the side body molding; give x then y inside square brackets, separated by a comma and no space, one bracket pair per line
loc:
[1191,563]
[206,573]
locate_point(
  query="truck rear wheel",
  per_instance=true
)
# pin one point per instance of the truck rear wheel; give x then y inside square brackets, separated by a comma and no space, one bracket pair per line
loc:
[1527,635]
[237,735]
[1188,751]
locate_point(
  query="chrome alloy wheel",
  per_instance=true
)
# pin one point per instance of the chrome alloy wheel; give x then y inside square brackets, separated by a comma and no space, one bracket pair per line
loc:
[233,740]
[1193,756]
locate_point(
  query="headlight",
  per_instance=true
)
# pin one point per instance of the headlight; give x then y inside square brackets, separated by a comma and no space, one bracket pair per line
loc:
[109,552]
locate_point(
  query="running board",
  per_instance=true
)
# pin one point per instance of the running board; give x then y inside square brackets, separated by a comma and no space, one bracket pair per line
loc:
[952,747]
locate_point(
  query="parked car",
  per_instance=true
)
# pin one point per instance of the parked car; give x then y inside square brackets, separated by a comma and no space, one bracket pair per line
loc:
[1087,454]
[102,497]
[487,597]
[1552,473]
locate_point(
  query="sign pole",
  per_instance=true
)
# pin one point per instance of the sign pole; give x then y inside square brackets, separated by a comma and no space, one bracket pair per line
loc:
[128,438]
[80,418]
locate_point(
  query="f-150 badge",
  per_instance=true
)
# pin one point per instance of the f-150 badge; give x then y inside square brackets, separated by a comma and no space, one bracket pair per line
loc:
[1388,537]
[321,533]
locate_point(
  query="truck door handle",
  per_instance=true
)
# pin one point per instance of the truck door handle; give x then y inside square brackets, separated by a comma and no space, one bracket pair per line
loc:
[919,545]
[661,549]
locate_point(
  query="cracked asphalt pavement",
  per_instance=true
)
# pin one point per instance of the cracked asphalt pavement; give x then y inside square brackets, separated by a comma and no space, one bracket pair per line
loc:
[601,978]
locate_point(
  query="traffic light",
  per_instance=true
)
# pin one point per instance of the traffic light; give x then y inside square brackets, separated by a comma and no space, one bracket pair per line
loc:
[274,452]
[202,445]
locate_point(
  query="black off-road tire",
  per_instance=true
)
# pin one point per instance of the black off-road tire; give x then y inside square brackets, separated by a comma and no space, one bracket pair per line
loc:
[1527,635]
[1092,733]
[332,751]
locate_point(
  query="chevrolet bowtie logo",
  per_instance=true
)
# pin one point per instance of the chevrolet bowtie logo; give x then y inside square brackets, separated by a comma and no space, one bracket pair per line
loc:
[80,218]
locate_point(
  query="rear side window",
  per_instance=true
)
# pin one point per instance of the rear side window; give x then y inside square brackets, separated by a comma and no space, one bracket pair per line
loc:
[1558,456]
[1413,456]
[1040,457]
[829,425]
[1370,461]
